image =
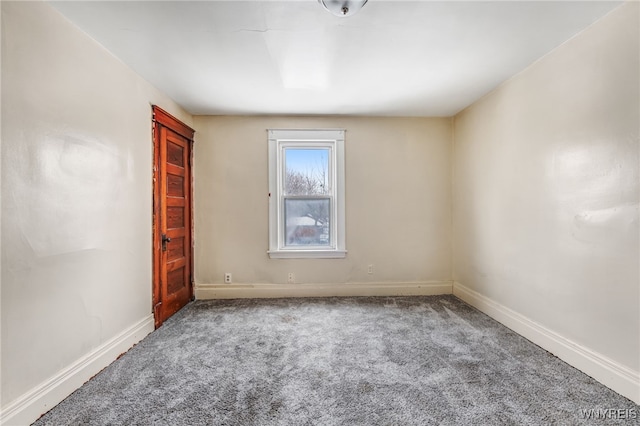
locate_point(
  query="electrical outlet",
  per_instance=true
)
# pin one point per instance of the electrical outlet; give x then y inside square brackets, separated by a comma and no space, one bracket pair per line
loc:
[227,278]
[291,278]
[370,269]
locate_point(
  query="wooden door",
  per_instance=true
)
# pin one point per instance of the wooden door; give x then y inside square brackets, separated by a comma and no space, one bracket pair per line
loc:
[172,236]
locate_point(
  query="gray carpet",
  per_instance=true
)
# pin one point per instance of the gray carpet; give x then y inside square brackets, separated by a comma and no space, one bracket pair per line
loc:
[338,361]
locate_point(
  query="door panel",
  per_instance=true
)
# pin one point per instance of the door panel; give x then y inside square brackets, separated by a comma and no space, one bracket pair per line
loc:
[172,218]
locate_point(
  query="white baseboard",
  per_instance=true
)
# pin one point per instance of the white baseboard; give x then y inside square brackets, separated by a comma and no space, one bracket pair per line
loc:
[615,376]
[30,406]
[244,291]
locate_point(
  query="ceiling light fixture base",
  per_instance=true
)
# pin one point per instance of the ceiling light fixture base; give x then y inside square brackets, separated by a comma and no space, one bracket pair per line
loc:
[343,8]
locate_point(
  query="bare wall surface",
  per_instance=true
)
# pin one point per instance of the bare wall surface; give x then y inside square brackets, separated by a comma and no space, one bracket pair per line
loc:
[397,201]
[546,191]
[76,195]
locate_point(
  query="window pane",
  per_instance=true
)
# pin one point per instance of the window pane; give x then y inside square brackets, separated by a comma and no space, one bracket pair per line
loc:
[306,171]
[307,222]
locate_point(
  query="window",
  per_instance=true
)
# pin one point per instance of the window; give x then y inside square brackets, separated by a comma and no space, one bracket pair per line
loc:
[306,189]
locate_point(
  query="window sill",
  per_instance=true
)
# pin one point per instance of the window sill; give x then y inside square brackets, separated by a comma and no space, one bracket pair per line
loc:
[307,254]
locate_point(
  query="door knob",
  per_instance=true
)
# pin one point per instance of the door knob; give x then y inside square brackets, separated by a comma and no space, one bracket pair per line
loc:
[165,240]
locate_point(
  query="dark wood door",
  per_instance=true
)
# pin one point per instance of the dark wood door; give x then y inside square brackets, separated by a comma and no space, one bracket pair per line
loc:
[173,287]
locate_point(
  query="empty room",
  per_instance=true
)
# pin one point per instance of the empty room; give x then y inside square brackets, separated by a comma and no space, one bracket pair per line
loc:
[320,212]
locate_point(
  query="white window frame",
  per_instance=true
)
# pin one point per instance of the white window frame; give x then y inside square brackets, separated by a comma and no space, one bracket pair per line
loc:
[279,139]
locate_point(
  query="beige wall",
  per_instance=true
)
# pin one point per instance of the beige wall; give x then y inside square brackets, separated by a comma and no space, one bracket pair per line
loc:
[546,192]
[76,196]
[397,202]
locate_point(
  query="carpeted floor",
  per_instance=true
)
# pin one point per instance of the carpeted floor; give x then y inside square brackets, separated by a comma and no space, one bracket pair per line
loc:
[338,361]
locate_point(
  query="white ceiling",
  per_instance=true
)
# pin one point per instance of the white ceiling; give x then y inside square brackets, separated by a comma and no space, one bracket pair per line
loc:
[393,58]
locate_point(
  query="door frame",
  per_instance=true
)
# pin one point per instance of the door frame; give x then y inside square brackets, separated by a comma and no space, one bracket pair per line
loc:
[161,118]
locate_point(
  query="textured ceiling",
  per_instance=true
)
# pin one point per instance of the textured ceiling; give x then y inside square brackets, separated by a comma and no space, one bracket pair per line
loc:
[393,58]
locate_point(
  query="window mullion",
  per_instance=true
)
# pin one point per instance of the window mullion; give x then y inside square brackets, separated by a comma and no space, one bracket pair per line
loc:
[308,197]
